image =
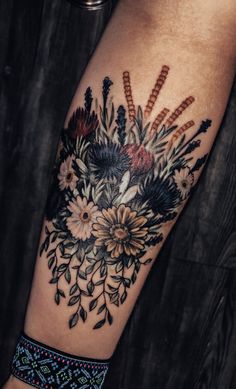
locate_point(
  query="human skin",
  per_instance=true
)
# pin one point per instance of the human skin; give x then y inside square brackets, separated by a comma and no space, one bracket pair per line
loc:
[195,40]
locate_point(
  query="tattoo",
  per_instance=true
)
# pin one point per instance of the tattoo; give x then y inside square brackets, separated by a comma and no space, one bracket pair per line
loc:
[119,178]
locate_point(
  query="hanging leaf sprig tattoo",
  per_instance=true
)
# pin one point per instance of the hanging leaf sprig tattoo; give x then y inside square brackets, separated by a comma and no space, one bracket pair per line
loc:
[118,179]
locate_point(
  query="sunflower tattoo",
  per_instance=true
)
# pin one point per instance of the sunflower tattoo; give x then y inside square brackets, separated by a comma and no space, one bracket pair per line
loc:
[119,177]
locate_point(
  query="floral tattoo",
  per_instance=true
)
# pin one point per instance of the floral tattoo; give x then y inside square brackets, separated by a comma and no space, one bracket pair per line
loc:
[118,179]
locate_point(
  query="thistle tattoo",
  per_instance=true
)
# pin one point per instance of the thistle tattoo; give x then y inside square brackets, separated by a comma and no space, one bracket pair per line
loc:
[118,179]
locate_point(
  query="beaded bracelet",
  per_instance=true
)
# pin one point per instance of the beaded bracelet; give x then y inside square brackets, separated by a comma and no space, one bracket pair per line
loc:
[44,367]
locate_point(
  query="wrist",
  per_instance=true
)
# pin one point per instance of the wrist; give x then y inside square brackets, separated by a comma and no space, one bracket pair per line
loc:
[14,383]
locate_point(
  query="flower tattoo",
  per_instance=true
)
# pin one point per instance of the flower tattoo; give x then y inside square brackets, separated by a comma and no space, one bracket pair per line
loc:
[67,177]
[121,231]
[83,216]
[183,179]
[118,179]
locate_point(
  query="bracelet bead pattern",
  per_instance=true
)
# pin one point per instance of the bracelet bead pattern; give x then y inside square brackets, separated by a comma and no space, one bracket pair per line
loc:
[43,367]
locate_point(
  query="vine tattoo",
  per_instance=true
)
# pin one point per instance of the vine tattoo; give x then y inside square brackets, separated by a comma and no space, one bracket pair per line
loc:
[118,179]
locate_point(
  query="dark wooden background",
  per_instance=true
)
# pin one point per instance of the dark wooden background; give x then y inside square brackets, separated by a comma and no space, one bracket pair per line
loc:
[182,334]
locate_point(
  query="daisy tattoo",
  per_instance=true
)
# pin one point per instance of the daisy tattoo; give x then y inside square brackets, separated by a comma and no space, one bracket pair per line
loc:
[119,178]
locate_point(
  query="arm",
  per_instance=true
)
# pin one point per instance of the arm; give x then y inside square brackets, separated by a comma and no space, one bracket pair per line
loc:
[136,137]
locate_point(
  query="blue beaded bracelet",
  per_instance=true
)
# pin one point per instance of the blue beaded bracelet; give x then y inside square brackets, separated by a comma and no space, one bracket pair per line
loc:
[44,367]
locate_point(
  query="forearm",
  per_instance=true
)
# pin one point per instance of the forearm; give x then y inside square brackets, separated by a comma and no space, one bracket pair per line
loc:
[197,69]
[141,189]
